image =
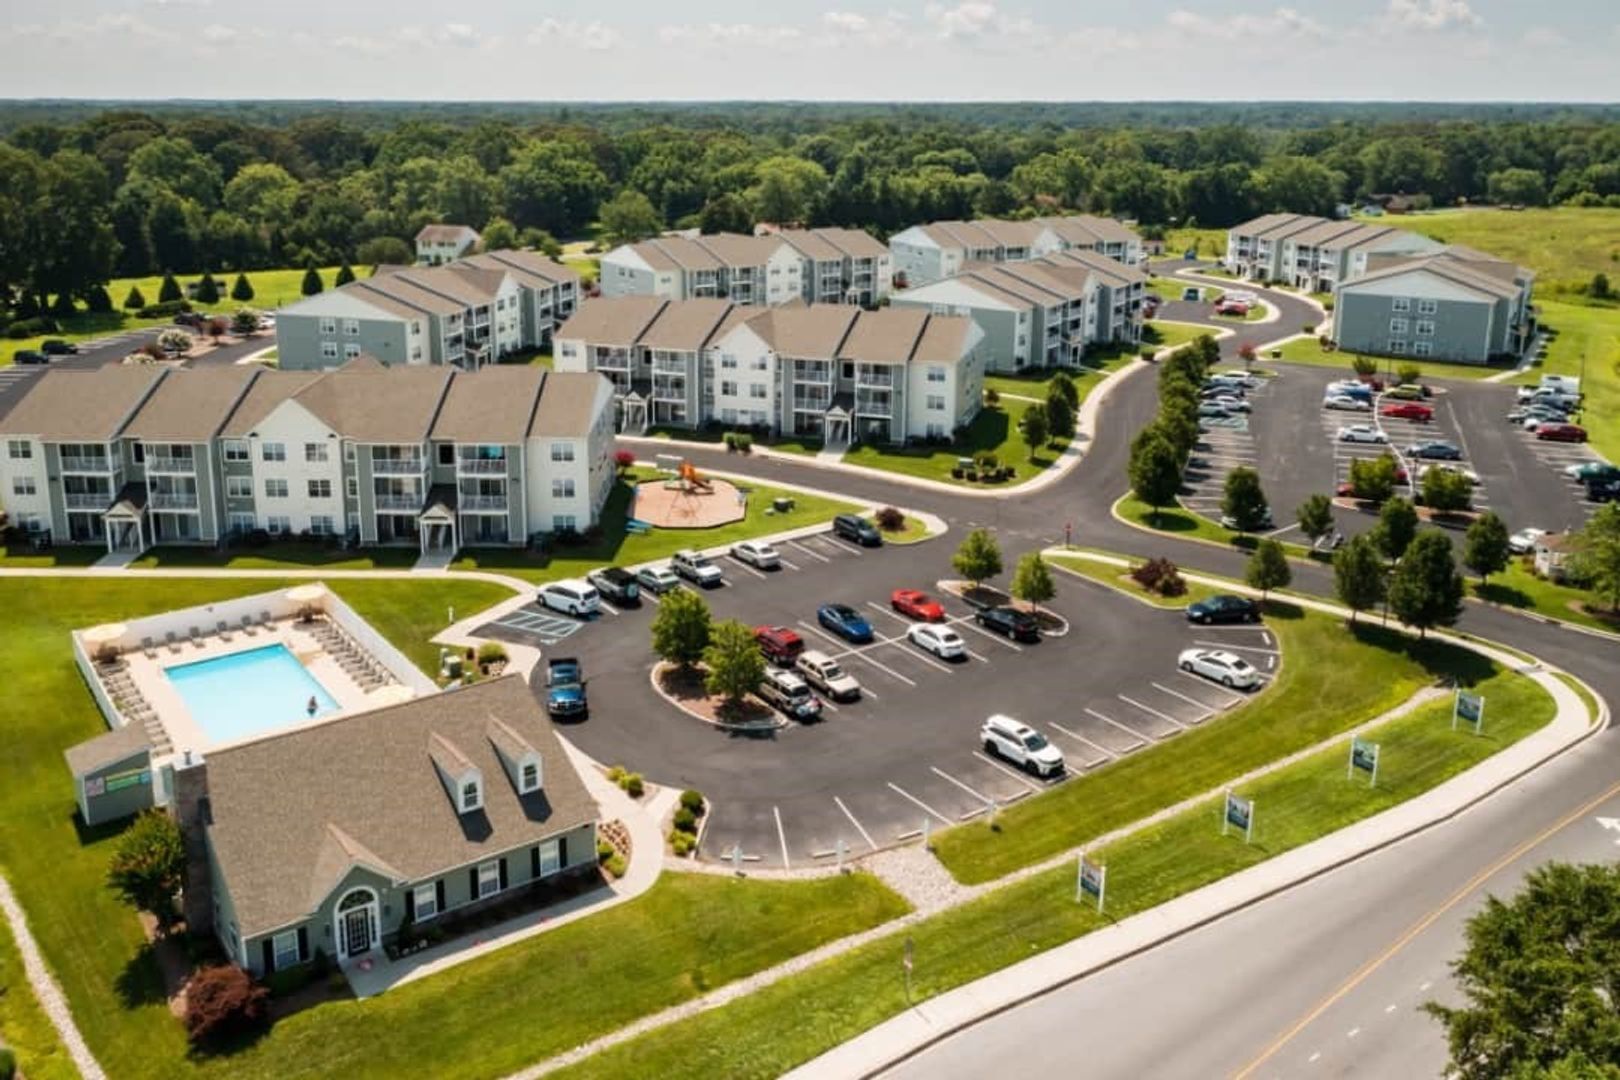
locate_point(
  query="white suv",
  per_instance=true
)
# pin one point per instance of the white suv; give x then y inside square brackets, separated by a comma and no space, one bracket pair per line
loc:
[570,597]
[822,672]
[696,568]
[1020,744]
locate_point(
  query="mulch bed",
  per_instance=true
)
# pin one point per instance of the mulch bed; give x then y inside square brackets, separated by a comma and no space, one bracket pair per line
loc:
[983,596]
[686,687]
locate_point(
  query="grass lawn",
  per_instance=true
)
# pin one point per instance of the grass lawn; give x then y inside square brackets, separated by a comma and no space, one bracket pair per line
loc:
[588,267]
[23,1024]
[1170,288]
[1519,587]
[80,328]
[279,556]
[1210,243]
[994,430]
[1307,350]
[1564,245]
[716,435]
[61,555]
[1587,340]
[271,288]
[1184,523]
[618,546]
[841,997]
[270,354]
[910,532]
[530,357]
[1118,578]
[1033,382]
[1255,313]
[1164,334]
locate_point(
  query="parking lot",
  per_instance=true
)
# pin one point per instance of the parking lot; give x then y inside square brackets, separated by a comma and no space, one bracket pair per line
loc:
[1225,444]
[871,772]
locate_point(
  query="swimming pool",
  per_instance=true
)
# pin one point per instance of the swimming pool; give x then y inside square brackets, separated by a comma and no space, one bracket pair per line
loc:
[249,692]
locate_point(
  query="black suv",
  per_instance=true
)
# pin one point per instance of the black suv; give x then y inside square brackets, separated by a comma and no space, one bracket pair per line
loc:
[1015,624]
[30,356]
[1224,608]
[856,528]
[58,347]
[616,584]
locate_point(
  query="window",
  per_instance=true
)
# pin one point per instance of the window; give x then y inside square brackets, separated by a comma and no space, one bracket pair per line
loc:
[239,487]
[1428,307]
[550,858]
[936,402]
[329,350]
[562,488]
[729,388]
[1398,347]
[348,451]
[416,328]
[1400,303]
[273,451]
[23,485]
[275,489]
[314,451]
[350,352]
[19,449]
[1422,348]
[352,487]
[320,489]
[241,523]
[728,361]
[351,327]
[758,391]
[284,947]
[529,778]
[1398,326]
[760,363]
[1425,327]
[447,453]
[471,797]
[328,326]
[489,879]
[321,524]
[236,450]
[936,373]
[563,522]
[276,524]
[427,901]
[562,451]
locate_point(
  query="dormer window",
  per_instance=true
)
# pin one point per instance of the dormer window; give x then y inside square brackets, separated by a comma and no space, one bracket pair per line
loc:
[472,796]
[530,778]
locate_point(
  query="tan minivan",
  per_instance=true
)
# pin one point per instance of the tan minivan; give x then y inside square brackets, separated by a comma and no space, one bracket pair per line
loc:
[822,672]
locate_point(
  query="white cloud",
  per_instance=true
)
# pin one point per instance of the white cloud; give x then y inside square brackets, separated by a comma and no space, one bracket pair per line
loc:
[1431,15]
[976,20]
[852,27]
[592,36]
[732,35]
[216,34]
[1545,37]
[459,34]
[1283,22]
[123,25]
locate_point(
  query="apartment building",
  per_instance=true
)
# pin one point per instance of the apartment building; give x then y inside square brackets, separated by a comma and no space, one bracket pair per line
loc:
[437,244]
[463,314]
[1457,305]
[1314,253]
[942,249]
[842,266]
[760,270]
[432,457]
[833,372]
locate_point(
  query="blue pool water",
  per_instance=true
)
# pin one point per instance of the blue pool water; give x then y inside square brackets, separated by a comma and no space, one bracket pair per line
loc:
[249,693]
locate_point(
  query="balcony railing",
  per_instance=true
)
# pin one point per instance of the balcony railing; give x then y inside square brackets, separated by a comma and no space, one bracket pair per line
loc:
[873,378]
[481,466]
[170,463]
[411,503]
[172,500]
[481,504]
[882,404]
[669,367]
[812,402]
[91,500]
[410,466]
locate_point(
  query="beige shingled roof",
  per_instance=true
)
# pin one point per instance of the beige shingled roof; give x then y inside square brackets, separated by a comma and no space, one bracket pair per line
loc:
[288,810]
[108,748]
[567,405]
[685,254]
[1009,233]
[612,320]
[444,234]
[399,288]
[270,389]
[370,403]
[685,325]
[493,405]
[810,244]
[1456,271]
[191,405]
[856,243]
[81,406]
[733,249]
[885,336]
[799,330]
[530,263]
[962,234]
[943,340]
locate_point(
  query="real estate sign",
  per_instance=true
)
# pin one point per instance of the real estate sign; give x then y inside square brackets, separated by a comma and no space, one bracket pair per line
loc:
[1363,756]
[1091,879]
[1469,708]
[1239,814]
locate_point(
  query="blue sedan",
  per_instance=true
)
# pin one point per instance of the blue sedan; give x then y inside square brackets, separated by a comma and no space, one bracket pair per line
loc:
[846,622]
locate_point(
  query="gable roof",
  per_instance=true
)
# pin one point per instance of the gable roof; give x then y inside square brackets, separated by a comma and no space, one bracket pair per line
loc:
[529,267]
[81,406]
[292,812]
[370,403]
[445,234]
[192,404]
[567,408]
[812,245]
[855,243]
[269,390]
[1446,267]
[492,405]
[612,320]
[800,330]
[945,338]
[888,335]
[108,748]
[734,249]
[685,325]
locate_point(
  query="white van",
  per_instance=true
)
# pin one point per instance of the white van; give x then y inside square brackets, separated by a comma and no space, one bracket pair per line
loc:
[1563,384]
[822,672]
[570,597]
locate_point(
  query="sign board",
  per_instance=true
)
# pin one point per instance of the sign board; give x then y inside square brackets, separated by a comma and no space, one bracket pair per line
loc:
[1239,814]
[1363,756]
[1091,879]
[1469,708]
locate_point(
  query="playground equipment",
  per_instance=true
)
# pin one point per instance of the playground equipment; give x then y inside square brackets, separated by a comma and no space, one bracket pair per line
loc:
[694,480]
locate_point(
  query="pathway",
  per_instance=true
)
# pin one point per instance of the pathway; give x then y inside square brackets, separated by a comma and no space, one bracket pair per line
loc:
[45,987]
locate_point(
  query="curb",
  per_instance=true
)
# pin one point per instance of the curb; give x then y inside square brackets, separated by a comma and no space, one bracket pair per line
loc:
[778,720]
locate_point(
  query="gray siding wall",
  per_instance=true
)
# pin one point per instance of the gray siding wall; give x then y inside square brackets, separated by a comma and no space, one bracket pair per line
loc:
[53,487]
[1361,324]
[126,802]
[299,338]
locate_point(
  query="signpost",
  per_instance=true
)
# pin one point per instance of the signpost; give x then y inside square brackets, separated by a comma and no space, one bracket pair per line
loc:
[736,859]
[1090,878]
[1469,708]
[841,850]
[927,825]
[905,962]
[1239,814]
[1363,756]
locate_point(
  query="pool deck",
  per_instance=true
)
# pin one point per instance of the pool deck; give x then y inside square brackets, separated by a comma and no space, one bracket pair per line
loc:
[184,731]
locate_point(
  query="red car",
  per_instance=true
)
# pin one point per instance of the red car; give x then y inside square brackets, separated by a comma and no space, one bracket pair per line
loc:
[918,605]
[1231,307]
[1408,410]
[1561,432]
[779,644]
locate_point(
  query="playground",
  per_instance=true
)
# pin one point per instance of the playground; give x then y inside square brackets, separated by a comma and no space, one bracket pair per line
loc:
[683,498]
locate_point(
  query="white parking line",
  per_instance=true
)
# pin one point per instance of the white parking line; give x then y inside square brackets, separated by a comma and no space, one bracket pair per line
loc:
[855,822]
[1018,776]
[1153,712]
[880,665]
[1208,712]
[1108,754]
[752,570]
[1240,648]
[904,794]
[781,835]
[981,796]
[791,566]
[890,612]
[813,554]
[1232,699]
[1141,738]
[967,623]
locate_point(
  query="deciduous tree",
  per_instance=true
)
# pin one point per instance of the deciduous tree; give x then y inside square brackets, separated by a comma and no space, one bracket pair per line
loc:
[1034,430]
[734,662]
[1155,471]
[1485,546]
[1425,590]
[1315,516]
[978,559]
[680,630]
[1397,524]
[148,866]
[1598,556]
[1032,580]
[1244,501]
[1358,575]
[1268,568]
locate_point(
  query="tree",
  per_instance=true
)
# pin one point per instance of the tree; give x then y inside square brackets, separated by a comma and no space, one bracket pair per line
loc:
[787,190]
[1268,568]
[1537,975]
[242,289]
[1063,384]
[385,251]
[1243,500]
[533,239]
[1485,546]
[135,299]
[1397,524]
[734,660]
[1363,365]
[345,274]
[207,291]
[312,280]
[1445,490]
[245,322]
[1600,289]
[1521,187]
[148,867]
[1358,575]
[1155,471]
[1408,373]
[628,217]
[1315,517]
[1373,479]
[978,559]
[1032,580]
[725,213]
[1034,430]
[553,184]
[1597,558]
[498,235]
[1059,415]
[224,1003]
[169,292]
[680,630]
[97,300]
[1425,590]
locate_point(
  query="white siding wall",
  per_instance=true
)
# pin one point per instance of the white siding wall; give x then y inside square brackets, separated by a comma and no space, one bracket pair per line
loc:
[292,425]
[23,507]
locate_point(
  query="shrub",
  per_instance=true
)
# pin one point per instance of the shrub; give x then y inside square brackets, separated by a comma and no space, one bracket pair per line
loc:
[992,396]
[169,291]
[243,289]
[681,843]
[890,519]
[615,866]
[207,290]
[8,1063]
[27,328]
[632,785]
[164,310]
[685,820]
[224,1002]
[97,300]
[623,459]
[617,775]
[693,801]
[742,441]
[491,651]
[293,979]
[1309,328]
[1159,576]
[135,298]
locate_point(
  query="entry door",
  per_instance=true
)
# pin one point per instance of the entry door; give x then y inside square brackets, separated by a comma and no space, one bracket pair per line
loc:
[357,931]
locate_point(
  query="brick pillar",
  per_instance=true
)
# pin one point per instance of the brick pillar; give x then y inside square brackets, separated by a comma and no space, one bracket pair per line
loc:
[190,809]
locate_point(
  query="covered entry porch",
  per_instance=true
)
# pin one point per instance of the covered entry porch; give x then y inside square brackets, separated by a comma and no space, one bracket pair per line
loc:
[437,532]
[126,524]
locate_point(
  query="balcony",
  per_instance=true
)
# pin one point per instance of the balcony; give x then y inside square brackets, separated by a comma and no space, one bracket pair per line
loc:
[481,466]
[883,379]
[88,500]
[80,463]
[408,503]
[612,361]
[406,466]
[874,404]
[172,500]
[669,367]
[481,504]
[668,391]
[811,402]
[170,463]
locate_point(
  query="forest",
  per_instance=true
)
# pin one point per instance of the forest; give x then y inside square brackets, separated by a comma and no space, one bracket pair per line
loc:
[88,193]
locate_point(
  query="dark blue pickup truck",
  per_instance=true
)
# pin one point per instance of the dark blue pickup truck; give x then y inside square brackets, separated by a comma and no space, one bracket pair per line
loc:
[565,688]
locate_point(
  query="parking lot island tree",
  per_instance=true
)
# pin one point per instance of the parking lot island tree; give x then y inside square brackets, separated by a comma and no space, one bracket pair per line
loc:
[1445,491]
[1364,366]
[681,629]
[1536,975]
[1268,568]
[1598,558]
[1358,575]
[1315,516]
[148,866]
[1397,525]
[1425,589]
[1155,470]
[1485,546]
[1243,500]
[1373,479]
[1034,429]
[1408,374]
[978,558]
[242,289]
[734,662]
[1032,581]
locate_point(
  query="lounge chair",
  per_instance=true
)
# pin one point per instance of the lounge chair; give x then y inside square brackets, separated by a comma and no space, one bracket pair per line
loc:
[170,642]
[247,626]
[196,637]
[223,630]
[264,619]
[148,648]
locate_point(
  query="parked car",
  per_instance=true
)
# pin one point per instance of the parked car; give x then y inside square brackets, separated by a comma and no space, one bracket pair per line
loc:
[1537,412]
[1523,542]
[1221,390]
[1020,744]
[856,528]
[29,356]
[789,694]
[1592,470]
[917,605]
[1192,293]
[571,597]
[942,641]
[1236,378]
[1362,433]
[697,568]
[1230,403]
[779,644]
[1230,522]
[1408,410]
[657,580]
[1232,307]
[1352,388]
[1603,490]
[1347,403]
[58,347]
[1436,450]
[615,584]
[822,672]
[1009,622]
[1223,608]
[846,622]
[1211,410]
[565,688]
[1561,432]
[1407,392]
[758,554]
[1228,669]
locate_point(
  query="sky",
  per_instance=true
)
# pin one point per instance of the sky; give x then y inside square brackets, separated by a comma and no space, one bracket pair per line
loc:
[890,50]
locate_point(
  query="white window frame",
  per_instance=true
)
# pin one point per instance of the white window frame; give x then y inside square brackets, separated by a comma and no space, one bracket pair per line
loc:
[562,451]
[322,525]
[526,785]
[1401,303]
[1399,326]
[328,325]
[275,488]
[562,487]
[350,351]
[19,449]
[329,350]
[563,522]
[273,451]
[759,391]
[24,485]
[236,450]
[1424,328]
[1397,347]
[728,388]
[1422,348]
[277,524]
[239,487]
[472,796]
[351,487]
[280,954]
[936,373]
[427,908]
[936,402]
[489,874]
[351,327]
[550,858]
[1428,307]
[318,488]
[316,452]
